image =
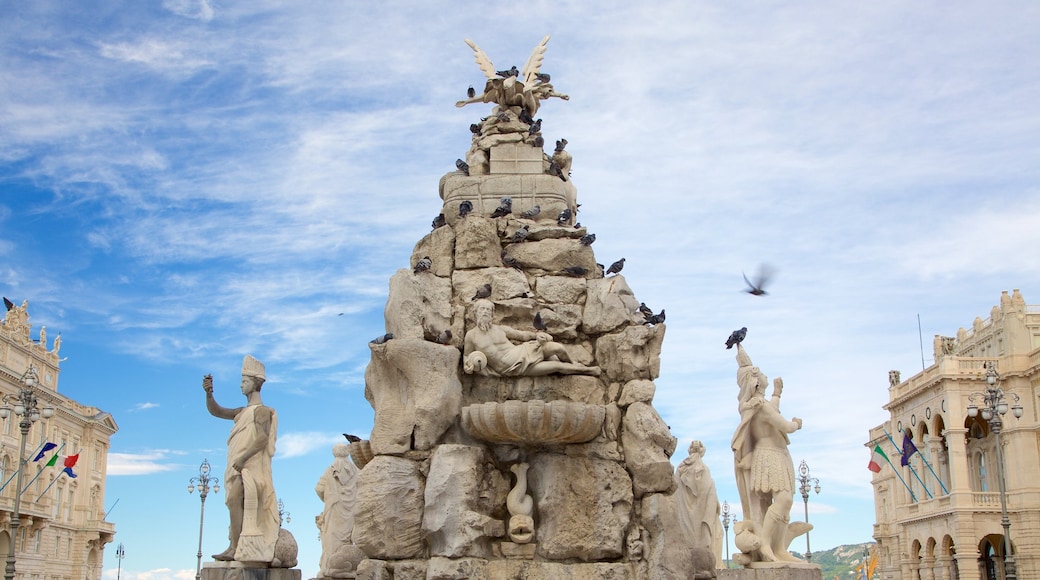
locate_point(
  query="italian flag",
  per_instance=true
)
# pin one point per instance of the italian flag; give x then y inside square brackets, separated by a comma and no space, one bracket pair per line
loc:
[876,458]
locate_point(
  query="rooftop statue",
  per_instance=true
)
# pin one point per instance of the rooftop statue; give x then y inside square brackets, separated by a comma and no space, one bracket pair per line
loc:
[489,350]
[524,88]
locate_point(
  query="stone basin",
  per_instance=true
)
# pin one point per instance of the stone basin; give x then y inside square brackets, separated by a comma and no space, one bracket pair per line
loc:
[533,422]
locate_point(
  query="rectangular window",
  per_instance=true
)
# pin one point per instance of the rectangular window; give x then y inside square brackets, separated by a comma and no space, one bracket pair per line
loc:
[57,501]
[69,504]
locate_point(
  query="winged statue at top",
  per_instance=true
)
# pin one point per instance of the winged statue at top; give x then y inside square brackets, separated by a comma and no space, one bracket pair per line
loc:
[514,88]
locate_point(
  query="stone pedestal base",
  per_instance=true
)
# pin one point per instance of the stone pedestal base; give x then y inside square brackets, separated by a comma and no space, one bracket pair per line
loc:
[767,571]
[240,571]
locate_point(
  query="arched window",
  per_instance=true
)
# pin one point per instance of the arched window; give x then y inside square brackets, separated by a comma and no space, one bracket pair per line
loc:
[980,472]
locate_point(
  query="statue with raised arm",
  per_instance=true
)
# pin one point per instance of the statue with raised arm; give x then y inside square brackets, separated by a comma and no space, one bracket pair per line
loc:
[248,482]
[764,470]
[489,350]
[525,89]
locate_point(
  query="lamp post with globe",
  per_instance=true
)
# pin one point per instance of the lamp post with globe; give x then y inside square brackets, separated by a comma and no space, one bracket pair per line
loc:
[25,406]
[204,482]
[995,406]
[805,485]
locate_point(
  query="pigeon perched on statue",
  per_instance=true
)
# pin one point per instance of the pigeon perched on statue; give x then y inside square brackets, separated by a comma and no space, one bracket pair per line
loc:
[520,235]
[535,127]
[615,267]
[564,217]
[736,337]
[482,292]
[539,324]
[513,72]
[531,213]
[444,336]
[352,438]
[465,208]
[382,339]
[654,319]
[576,271]
[462,166]
[439,221]
[423,265]
[509,261]
[505,207]
[588,239]
[645,310]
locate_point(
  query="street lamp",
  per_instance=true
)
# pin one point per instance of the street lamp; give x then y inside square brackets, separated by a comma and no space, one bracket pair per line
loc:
[203,481]
[120,554]
[725,525]
[807,484]
[25,406]
[994,406]
[282,514]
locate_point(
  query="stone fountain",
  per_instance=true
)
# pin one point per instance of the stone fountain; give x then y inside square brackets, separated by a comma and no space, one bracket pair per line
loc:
[514,434]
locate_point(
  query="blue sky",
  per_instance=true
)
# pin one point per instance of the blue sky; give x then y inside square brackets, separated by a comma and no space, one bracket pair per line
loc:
[187,181]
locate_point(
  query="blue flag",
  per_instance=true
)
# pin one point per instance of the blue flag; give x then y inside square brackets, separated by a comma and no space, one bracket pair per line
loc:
[908,450]
[46,447]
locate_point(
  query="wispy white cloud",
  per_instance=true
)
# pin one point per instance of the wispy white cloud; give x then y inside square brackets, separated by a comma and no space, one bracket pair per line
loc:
[303,443]
[144,406]
[140,463]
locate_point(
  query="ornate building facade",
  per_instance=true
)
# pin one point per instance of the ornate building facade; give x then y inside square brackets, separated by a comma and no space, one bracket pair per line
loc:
[939,518]
[62,531]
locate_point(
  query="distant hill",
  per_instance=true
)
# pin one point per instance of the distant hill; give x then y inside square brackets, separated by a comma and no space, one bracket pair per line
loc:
[838,562]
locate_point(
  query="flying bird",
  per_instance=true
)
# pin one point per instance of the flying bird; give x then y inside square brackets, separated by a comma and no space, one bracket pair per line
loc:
[465,207]
[564,217]
[758,288]
[520,235]
[539,324]
[615,267]
[444,337]
[423,265]
[531,213]
[736,337]
[505,207]
[439,221]
[509,261]
[462,166]
[575,271]
[471,92]
[382,339]
[588,239]
[482,292]
[352,438]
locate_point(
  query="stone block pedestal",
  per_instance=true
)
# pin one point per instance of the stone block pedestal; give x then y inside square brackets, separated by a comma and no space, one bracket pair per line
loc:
[782,572]
[240,571]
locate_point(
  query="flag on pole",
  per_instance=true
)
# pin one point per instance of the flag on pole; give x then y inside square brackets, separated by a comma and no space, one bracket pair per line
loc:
[53,461]
[43,451]
[876,458]
[908,450]
[70,462]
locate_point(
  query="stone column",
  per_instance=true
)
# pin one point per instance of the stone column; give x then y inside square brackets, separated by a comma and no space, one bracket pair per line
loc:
[927,570]
[945,563]
[935,452]
[960,474]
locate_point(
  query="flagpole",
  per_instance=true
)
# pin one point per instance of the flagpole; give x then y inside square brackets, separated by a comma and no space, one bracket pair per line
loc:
[912,470]
[53,481]
[896,471]
[929,466]
[40,472]
[4,486]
